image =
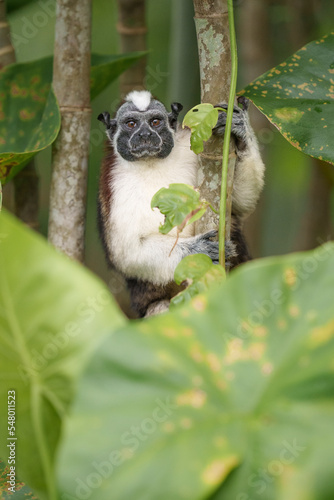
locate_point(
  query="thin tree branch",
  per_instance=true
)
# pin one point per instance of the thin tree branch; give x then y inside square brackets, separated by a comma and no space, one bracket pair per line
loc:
[229,159]
[71,74]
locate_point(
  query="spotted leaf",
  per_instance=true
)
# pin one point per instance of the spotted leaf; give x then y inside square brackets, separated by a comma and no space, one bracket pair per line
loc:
[297,96]
[228,397]
[29,114]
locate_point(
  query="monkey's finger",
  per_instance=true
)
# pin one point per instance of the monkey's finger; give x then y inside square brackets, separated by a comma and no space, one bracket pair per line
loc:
[244,102]
[223,105]
[210,234]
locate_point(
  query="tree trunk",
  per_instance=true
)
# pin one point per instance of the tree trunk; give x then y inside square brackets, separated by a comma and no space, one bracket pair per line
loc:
[211,20]
[132,30]
[71,74]
[25,184]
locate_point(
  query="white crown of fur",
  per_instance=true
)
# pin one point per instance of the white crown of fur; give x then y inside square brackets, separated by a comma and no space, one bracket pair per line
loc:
[140,98]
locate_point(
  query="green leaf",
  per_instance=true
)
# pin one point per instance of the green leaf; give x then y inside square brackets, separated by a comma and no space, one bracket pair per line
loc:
[298,98]
[201,119]
[200,273]
[52,314]
[241,378]
[29,113]
[180,204]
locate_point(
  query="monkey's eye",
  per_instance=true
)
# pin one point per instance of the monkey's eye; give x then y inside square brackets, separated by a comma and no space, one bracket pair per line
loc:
[131,124]
[156,122]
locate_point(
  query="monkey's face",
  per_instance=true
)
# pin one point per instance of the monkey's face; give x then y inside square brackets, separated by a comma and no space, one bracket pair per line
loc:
[143,135]
[142,128]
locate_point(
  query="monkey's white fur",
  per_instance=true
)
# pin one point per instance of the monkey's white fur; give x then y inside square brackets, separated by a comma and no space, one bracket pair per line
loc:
[248,176]
[139,250]
[140,98]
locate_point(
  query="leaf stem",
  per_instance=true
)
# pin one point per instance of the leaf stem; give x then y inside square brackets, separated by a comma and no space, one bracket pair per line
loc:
[227,135]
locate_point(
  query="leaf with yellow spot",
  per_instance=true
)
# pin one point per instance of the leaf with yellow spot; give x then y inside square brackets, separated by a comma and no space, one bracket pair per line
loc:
[30,111]
[322,334]
[217,398]
[218,470]
[298,98]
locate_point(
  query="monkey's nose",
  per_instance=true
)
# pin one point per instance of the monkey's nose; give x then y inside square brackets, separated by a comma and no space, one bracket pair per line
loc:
[145,134]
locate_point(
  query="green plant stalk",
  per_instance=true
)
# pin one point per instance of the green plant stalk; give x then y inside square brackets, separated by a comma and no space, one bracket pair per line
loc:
[227,135]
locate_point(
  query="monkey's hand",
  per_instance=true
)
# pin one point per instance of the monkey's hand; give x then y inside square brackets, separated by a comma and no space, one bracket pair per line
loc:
[204,244]
[239,122]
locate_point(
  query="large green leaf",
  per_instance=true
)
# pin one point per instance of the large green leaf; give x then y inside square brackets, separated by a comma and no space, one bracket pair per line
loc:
[52,314]
[29,113]
[298,98]
[240,380]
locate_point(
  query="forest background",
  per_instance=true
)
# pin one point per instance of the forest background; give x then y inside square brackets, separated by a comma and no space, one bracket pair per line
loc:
[296,210]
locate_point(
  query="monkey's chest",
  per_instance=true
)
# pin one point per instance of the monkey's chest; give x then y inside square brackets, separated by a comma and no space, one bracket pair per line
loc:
[131,211]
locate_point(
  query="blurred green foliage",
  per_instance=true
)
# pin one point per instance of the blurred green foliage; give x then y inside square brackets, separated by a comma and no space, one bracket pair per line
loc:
[229,397]
[53,312]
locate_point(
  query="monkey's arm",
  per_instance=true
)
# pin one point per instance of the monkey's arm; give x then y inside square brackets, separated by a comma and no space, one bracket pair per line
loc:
[249,170]
[151,259]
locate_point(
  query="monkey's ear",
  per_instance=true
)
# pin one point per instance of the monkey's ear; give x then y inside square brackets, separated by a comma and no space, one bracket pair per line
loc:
[111,125]
[176,110]
[104,118]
